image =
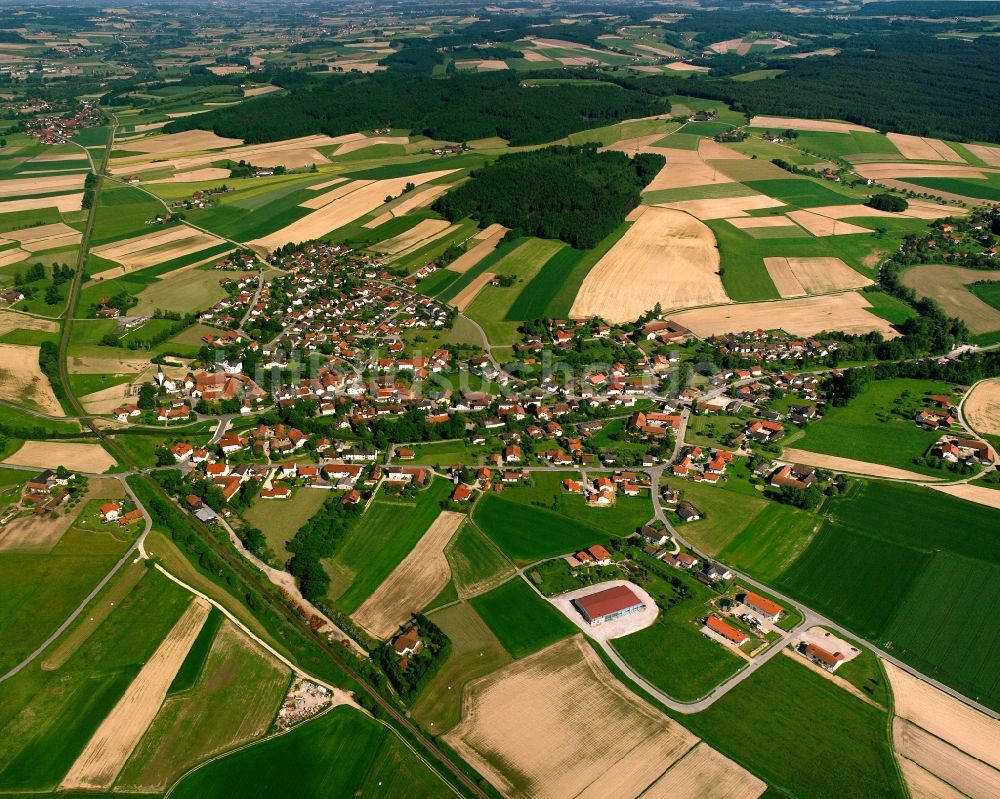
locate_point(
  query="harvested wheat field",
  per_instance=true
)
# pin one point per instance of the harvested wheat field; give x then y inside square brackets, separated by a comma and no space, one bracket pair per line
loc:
[12,256]
[947,286]
[924,785]
[972,777]
[557,725]
[820,275]
[759,222]
[464,298]
[680,66]
[344,210]
[61,202]
[534,56]
[636,212]
[919,148]
[45,237]
[981,408]
[795,123]
[11,320]
[417,199]
[848,465]
[413,583]
[783,278]
[22,381]
[711,150]
[940,714]
[325,184]
[360,144]
[825,226]
[724,207]
[195,175]
[15,187]
[475,254]
[327,197]
[684,168]
[666,257]
[422,233]
[188,141]
[902,169]
[102,758]
[981,495]
[106,400]
[105,366]
[805,316]
[918,209]
[154,248]
[989,155]
[78,456]
[704,773]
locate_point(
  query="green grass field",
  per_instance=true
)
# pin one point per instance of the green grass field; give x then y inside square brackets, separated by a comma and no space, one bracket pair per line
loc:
[477,564]
[988,293]
[988,189]
[725,514]
[521,620]
[122,212]
[802,192]
[849,753]
[195,659]
[378,542]
[341,753]
[445,454]
[66,706]
[475,652]
[771,541]
[194,290]
[280,519]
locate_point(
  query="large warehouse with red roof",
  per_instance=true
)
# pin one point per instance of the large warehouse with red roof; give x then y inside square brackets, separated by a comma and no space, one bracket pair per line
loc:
[602,606]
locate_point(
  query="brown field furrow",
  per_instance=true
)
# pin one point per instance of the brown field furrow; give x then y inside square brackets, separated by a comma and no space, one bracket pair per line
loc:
[684,168]
[982,407]
[420,234]
[723,207]
[823,225]
[325,184]
[819,275]
[557,725]
[704,773]
[535,56]
[61,202]
[360,144]
[13,256]
[924,785]
[755,222]
[711,150]
[981,495]
[783,278]
[154,238]
[40,233]
[379,220]
[902,169]
[974,778]
[22,380]
[680,66]
[804,316]
[80,457]
[947,286]
[795,123]
[918,209]
[102,366]
[327,197]
[989,155]
[413,583]
[102,758]
[848,465]
[418,199]
[195,175]
[188,141]
[489,232]
[918,148]
[475,254]
[11,320]
[15,187]
[464,298]
[344,210]
[665,257]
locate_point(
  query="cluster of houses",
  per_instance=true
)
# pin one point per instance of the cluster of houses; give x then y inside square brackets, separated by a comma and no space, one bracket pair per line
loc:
[59,129]
[703,465]
[601,492]
[46,491]
[968,240]
[771,346]
[201,198]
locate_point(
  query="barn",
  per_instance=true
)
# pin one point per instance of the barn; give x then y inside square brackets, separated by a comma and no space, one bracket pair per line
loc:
[611,603]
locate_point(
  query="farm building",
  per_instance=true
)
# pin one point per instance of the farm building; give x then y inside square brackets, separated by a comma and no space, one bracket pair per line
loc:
[823,657]
[727,631]
[771,611]
[611,603]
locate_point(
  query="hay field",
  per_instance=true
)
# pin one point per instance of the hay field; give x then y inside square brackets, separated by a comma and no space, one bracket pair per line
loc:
[15,187]
[981,408]
[420,234]
[795,123]
[79,457]
[919,148]
[464,298]
[557,724]
[950,720]
[475,254]
[360,144]
[817,275]
[44,237]
[11,320]
[753,169]
[21,379]
[820,225]
[724,207]
[848,465]
[61,202]
[665,257]
[704,773]
[413,583]
[990,155]
[805,316]
[947,285]
[102,758]
[901,169]
[785,281]
[344,210]
[154,248]
[974,778]
[188,141]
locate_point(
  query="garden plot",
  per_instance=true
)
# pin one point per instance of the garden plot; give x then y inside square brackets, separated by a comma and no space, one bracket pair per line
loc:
[21,379]
[61,202]
[413,583]
[805,316]
[795,123]
[45,237]
[102,758]
[557,724]
[920,148]
[344,210]
[665,257]
[704,773]
[947,286]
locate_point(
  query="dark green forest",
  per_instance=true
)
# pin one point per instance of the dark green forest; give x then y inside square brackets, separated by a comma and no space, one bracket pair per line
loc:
[575,194]
[461,108]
